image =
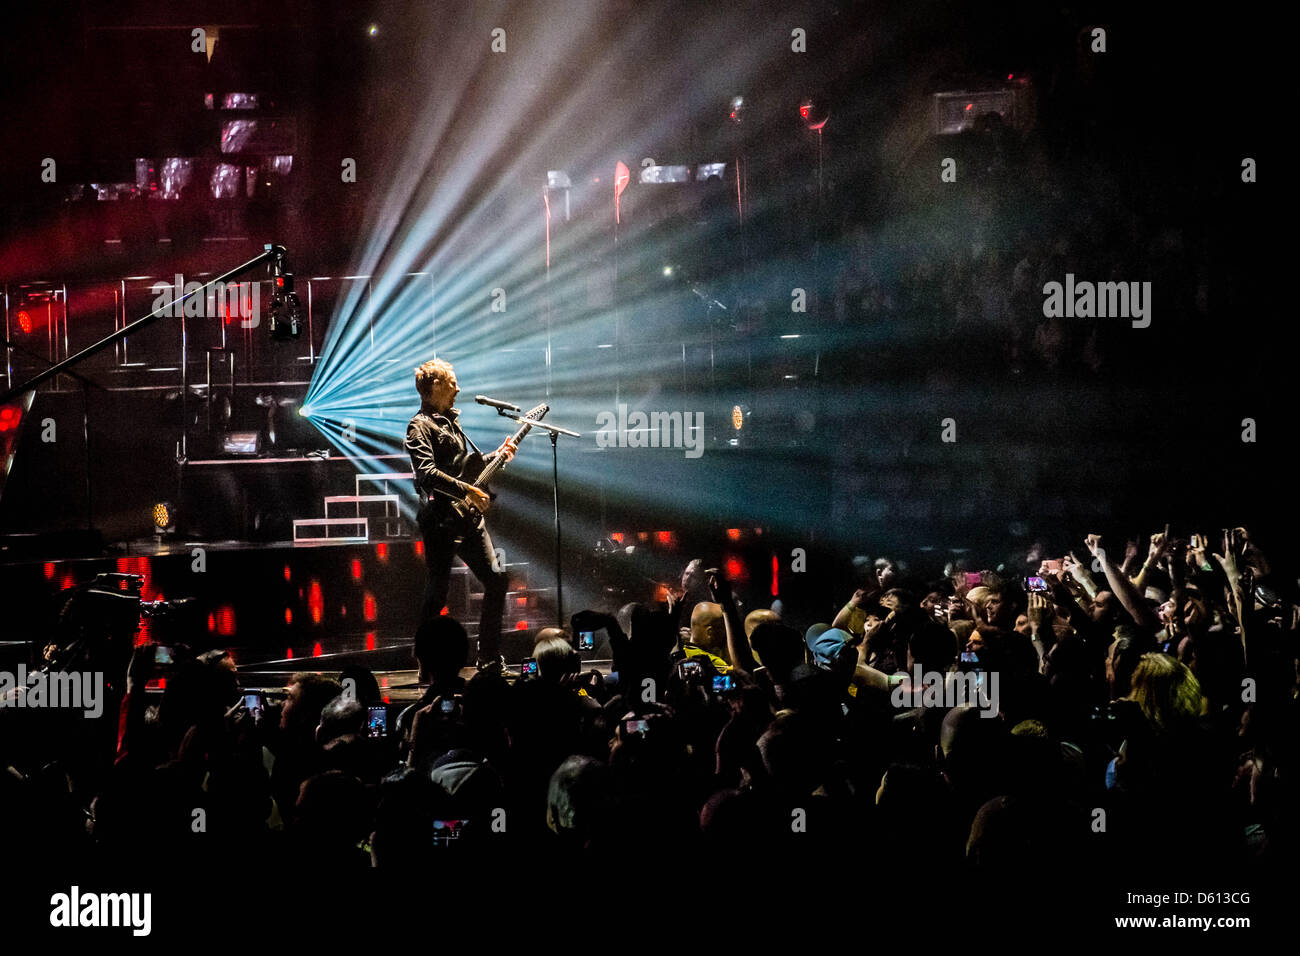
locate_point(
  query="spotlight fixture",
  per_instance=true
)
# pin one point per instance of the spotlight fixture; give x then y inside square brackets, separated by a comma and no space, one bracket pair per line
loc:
[737,109]
[813,114]
[739,415]
[164,518]
[285,309]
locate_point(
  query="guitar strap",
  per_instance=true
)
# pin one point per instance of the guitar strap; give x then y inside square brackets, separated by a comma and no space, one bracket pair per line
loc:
[469,440]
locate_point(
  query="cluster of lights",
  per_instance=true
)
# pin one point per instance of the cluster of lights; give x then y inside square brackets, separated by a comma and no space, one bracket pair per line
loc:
[164,517]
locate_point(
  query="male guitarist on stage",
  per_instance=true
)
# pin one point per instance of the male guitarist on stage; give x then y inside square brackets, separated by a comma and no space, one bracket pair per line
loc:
[439,449]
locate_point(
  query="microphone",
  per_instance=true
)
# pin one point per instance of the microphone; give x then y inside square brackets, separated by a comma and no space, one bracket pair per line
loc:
[503,406]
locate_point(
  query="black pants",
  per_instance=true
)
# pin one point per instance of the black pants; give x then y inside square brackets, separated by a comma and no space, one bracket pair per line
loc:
[478,554]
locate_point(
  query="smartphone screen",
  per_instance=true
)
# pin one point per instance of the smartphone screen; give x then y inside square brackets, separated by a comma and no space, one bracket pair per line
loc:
[636,726]
[377,721]
[253,704]
[163,655]
[444,831]
[723,683]
[972,579]
[1033,583]
[449,705]
[528,668]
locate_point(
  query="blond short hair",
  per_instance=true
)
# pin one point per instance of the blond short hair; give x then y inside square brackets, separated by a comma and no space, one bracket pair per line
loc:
[430,374]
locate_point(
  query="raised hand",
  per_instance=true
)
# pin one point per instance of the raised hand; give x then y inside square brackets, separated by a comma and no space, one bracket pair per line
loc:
[1039,610]
[1159,545]
[1233,548]
[716,582]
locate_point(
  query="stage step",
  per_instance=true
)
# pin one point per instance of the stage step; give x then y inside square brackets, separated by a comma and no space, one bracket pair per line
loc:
[383,477]
[359,500]
[357,524]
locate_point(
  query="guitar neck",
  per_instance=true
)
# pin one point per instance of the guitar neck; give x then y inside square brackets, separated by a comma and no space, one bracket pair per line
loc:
[496,464]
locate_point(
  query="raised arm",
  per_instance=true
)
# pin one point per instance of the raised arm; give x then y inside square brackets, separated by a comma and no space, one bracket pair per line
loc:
[738,649]
[1159,546]
[1129,597]
[1234,547]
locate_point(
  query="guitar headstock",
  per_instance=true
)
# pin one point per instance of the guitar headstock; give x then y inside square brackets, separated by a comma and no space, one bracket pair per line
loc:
[537,412]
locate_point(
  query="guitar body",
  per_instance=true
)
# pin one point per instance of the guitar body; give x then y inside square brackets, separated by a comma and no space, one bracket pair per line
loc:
[461,517]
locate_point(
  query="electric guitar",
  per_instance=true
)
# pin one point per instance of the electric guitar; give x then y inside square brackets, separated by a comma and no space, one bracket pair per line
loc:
[462,516]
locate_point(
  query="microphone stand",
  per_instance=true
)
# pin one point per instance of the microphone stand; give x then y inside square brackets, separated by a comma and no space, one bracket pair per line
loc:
[555,432]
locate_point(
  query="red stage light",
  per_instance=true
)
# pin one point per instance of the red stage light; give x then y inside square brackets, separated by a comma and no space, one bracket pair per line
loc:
[735,569]
[521,626]
[356,569]
[616,537]
[521,601]
[664,537]
[316,650]
[969,107]
[288,653]
[286,572]
[419,548]
[49,570]
[212,623]
[24,321]
[444,612]
[370,643]
[68,582]
[9,418]
[225,620]
[733,534]
[315,601]
[139,565]
[776,571]
[381,551]
[368,608]
[288,616]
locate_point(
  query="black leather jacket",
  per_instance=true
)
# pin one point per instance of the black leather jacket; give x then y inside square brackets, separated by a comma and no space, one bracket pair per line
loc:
[439,448]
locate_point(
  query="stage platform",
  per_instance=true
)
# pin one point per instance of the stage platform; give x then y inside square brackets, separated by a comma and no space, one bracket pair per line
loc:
[279,607]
